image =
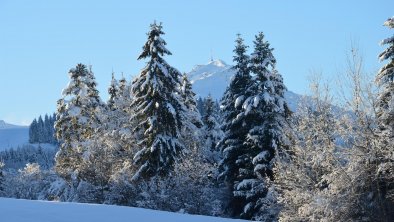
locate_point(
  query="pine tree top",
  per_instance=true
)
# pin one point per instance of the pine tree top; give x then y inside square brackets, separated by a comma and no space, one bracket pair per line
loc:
[389,23]
[242,76]
[155,46]
[79,71]
[262,56]
[112,90]
[240,57]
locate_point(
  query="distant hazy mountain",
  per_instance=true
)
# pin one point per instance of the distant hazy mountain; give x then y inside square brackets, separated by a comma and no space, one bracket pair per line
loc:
[214,77]
[4,125]
[12,135]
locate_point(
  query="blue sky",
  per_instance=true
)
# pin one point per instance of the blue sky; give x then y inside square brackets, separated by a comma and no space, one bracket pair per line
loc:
[41,40]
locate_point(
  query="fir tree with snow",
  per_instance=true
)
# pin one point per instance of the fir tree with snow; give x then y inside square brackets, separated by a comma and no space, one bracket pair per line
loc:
[158,109]
[76,122]
[266,111]
[94,105]
[383,153]
[385,80]
[235,127]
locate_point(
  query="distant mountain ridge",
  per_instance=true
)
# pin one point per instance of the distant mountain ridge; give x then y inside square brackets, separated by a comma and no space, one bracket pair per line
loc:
[12,135]
[4,125]
[214,77]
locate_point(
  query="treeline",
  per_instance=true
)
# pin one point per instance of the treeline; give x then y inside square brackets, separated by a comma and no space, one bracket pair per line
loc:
[42,130]
[149,146]
[17,158]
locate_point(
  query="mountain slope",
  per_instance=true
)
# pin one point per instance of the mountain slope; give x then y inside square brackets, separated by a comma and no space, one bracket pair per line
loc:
[44,211]
[4,125]
[12,135]
[214,77]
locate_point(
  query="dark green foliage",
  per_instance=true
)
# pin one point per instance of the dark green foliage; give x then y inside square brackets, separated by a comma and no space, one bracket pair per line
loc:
[43,131]
[158,109]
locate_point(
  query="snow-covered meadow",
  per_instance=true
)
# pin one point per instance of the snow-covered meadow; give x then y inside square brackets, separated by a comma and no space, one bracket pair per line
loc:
[17,210]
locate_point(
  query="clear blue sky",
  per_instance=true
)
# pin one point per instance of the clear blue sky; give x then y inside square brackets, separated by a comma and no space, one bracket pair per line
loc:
[41,40]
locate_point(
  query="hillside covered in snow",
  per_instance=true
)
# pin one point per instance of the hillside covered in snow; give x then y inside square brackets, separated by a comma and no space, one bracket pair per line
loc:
[45,211]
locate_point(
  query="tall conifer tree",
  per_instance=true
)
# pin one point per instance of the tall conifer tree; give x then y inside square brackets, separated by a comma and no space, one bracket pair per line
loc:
[235,126]
[158,109]
[266,112]
[383,154]
[76,121]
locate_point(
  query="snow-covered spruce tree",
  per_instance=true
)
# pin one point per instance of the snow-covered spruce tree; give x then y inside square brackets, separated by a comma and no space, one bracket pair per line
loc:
[95,169]
[384,79]
[235,127]
[266,112]
[384,154]
[120,145]
[76,123]
[158,109]
[212,131]
[93,100]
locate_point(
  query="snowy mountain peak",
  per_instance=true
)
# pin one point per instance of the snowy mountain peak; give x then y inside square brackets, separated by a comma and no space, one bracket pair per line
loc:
[201,71]
[214,77]
[218,63]
[211,78]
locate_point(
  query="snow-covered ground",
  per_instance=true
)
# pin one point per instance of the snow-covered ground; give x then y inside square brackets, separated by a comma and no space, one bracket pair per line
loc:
[14,210]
